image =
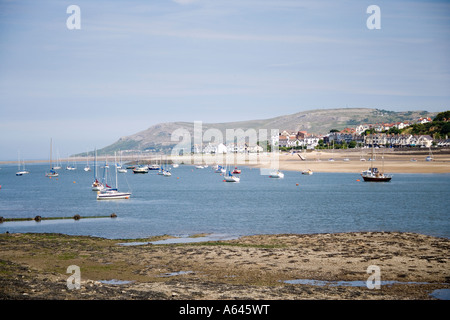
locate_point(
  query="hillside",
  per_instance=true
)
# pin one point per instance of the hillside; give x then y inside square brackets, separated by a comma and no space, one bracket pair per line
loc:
[319,121]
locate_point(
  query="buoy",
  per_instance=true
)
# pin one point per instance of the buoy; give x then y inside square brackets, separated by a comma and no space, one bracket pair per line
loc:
[178,177]
[296,184]
[358,180]
[74,182]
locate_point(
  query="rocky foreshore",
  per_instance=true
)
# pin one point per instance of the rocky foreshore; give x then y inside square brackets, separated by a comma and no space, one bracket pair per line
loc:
[260,267]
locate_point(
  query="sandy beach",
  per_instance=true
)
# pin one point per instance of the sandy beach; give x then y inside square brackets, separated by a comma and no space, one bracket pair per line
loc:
[348,161]
[34,266]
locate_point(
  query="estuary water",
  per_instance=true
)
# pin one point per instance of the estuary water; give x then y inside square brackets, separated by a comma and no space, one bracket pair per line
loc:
[194,201]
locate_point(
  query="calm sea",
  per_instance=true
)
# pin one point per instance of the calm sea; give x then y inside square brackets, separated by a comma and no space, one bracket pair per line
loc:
[198,201]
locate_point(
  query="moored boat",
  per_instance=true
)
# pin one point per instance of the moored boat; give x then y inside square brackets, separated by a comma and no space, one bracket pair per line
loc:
[277,174]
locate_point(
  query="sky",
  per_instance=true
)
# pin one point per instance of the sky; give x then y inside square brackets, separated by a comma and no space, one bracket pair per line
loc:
[132,64]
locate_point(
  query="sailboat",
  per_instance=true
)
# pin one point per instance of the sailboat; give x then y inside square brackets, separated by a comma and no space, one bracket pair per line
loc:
[430,157]
[58,162]
[113,193]
[20,171]
[229,177]
[87,167]
[220,169]
[69,167]
[373,175]
[120,167]
[96,185]
[52,172]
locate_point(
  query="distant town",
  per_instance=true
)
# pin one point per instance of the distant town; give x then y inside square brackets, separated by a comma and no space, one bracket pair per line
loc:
[390,135]
[422,132]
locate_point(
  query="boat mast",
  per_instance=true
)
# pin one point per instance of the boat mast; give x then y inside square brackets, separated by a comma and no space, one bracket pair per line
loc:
[51,143]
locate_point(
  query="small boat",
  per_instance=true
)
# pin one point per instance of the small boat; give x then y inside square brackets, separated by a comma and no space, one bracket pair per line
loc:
[175,165]
[140,169]
[199,167]
[52,172]
[373,175]
[220,169]
[166,173]
[153,167]
[21,171]
[277,174]
[97,185]
[236,170]
[307,172]
[230,178]
[346,159]
[413,160]
[113,193]
[122,170]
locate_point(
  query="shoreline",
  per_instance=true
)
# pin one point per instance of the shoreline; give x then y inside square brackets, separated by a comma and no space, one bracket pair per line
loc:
[395,161]
[250,267]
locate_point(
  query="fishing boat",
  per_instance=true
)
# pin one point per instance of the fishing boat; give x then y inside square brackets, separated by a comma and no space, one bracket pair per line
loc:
[307,172]
[52,172]
[277,174]
[113,193]
[374,175]
[236,170]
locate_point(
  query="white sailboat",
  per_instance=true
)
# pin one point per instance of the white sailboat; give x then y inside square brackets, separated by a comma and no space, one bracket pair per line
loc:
[87,167]
[120,167]
[231,178]
[70,167]
[52,172]
[21,171]
[113,193]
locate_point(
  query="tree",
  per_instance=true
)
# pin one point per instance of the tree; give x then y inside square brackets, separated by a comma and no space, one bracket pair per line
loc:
[442,116]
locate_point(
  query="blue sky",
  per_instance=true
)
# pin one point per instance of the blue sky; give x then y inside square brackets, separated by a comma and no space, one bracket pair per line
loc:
[134,64]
